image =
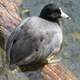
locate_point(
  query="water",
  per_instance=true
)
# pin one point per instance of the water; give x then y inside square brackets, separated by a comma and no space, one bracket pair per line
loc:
[71,45]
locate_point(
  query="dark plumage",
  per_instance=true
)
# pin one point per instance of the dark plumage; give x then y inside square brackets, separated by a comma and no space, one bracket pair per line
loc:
[51,12]
[36,37]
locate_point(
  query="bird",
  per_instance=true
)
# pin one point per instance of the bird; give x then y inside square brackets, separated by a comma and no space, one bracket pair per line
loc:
[36,37]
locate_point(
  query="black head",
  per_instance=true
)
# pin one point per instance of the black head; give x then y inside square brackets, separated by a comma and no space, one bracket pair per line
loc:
[51,12]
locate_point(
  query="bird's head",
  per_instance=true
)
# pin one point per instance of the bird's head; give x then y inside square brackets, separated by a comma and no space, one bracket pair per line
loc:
[52,12]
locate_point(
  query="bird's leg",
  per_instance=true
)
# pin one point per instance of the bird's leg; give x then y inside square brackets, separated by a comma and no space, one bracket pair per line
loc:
[53,59]
[14,68]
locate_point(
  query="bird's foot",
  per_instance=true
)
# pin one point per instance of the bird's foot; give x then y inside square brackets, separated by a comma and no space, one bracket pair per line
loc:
[14,68]
[53,59]
[14,71]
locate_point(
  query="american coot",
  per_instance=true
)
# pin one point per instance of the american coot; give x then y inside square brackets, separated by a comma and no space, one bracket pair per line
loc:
[36,37]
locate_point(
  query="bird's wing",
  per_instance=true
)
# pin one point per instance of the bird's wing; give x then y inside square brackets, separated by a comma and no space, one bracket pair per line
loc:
[20,44]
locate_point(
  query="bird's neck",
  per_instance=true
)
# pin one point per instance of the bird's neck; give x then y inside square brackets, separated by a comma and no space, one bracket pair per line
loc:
[50,19]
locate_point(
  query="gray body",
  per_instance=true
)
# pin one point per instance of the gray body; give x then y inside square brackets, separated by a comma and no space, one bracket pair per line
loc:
[33,40]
